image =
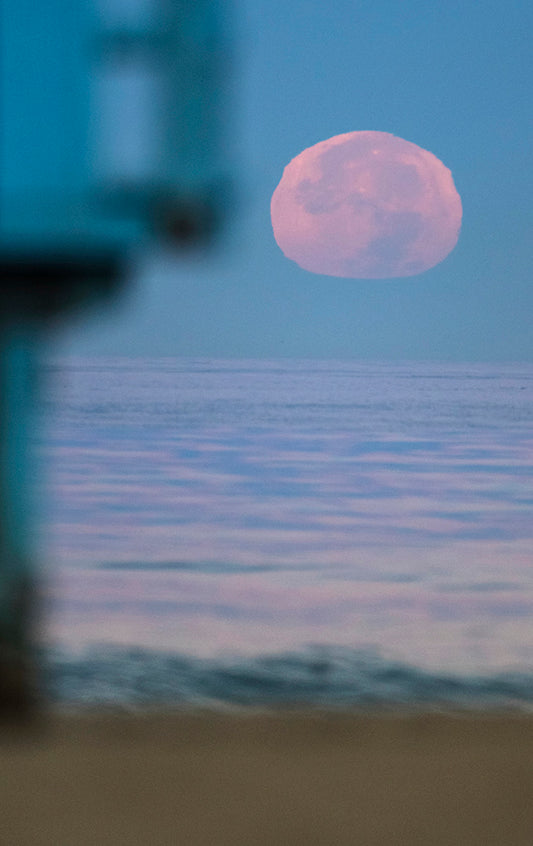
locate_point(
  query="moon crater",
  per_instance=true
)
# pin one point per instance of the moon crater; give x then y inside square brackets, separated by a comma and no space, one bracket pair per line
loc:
[366,205]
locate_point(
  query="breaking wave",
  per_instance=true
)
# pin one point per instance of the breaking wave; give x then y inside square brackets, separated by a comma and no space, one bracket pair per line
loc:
[313,678]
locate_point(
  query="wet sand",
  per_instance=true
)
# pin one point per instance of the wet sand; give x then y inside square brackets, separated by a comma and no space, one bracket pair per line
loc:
[279,780]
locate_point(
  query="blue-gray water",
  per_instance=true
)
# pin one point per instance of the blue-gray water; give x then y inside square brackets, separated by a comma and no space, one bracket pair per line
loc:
[288,532]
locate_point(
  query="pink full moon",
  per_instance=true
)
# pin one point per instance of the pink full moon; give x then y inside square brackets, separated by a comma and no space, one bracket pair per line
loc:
[366,205]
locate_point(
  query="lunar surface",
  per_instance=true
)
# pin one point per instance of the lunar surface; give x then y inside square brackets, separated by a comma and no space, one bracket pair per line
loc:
[366,205]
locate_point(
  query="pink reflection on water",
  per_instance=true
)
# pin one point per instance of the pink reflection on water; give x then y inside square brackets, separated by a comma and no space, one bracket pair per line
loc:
[423,552]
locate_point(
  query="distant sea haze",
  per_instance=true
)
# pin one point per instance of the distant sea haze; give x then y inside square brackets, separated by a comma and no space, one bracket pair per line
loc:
[247,531]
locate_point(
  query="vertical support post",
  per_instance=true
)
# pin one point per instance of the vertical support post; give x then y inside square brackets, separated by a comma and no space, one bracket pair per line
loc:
[17,576]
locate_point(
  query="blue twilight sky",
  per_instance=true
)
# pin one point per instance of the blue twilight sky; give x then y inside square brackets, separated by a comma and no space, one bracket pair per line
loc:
[454,77]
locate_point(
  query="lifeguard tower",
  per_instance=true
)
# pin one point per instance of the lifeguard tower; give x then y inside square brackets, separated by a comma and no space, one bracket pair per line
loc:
[111,118]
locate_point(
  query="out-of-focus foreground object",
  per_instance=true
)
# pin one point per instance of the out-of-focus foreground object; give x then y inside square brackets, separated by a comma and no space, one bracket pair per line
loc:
[111,118]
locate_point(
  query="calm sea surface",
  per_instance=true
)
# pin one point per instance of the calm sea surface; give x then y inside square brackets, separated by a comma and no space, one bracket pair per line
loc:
[257,532]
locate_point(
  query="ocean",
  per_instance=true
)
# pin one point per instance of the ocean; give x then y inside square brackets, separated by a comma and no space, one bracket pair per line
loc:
[257,534]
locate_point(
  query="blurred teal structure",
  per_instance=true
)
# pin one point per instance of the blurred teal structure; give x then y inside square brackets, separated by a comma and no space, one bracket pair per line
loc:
[111,133]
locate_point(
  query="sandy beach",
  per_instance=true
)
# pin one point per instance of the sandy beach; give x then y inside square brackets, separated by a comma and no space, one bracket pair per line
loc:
[293,778]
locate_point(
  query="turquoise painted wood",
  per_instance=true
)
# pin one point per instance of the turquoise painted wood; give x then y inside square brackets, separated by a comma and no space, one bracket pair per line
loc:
[110,119]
